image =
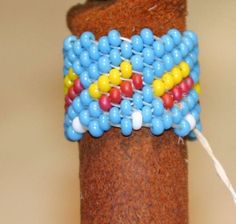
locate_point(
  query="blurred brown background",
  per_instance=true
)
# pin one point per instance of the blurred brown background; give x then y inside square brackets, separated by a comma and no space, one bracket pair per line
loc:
[39,169]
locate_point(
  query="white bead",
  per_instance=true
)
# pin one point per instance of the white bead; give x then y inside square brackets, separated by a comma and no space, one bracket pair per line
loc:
[191,120]
[137,119]
[77,126]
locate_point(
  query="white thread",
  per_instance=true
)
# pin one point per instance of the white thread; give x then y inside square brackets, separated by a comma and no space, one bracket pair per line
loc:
[219,168]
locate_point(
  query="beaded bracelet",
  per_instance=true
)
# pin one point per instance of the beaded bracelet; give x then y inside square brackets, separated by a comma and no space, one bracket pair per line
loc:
[144,81]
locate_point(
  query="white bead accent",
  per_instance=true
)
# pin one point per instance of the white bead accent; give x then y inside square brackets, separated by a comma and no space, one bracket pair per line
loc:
[191,120]
[77,126]
[137,119]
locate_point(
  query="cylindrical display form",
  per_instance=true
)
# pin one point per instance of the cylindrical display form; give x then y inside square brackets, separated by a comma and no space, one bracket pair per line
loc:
[141,178]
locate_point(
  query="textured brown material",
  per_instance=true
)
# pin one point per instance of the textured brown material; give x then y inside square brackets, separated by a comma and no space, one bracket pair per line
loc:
[142,178]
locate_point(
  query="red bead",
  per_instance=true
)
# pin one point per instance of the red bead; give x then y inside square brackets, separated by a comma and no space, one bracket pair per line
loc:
[189,82]
[168,100]
[115,95]
[78,87]
[126,88]
[137,81]
[177,93]
[67,101]
[184,87]
[71,93]
[105,103]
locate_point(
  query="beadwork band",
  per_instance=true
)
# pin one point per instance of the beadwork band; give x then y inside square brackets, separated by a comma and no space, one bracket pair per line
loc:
[144,81]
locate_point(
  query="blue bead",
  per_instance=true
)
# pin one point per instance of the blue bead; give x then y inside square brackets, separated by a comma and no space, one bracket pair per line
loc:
[77,48]
[194,76]
[198,108]
[93,52]
[85,97]
[184,108]
[147,94]
[138,101]
[168,62]
[177,56]
[147,36]
[194,94]
[77,67]
[126,126]
[126,49]
[84,79]
[183,129]
[114,38]
[148,55]
[77,105]
[69,41]
[192,35]
[158,107]
[137,62]
[103,45]
[85,59]
[148,75]
[146,114]
[93,71]
[188,42]
[137,43]
[157,126]
[193,55]
[114,115]
[168,42]
[65,71]
[158,48]
[84,118]
[86,39]
[159,68]
[115,57]
[189,61]
[190,101]
[196,68]
[71,56]
[72,135]
[167,120]
[67,120]
[94,129]
[195,114]
[104,122]
[71,112]
[176,114]
[104,64]
[125,107]
[94,109]
[183,49]
[176,35]
[67,63]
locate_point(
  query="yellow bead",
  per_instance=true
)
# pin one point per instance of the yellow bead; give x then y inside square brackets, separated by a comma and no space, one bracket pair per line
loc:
[126,69]
[94,91]
[184,67]
[168,81]
[65,90]
[68,83]
[72,75]
[114,76]
[197,88]
[158,87]
[103,83]
[177,75]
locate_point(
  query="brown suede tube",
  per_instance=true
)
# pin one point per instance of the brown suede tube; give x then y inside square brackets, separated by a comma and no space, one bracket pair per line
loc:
[141,178]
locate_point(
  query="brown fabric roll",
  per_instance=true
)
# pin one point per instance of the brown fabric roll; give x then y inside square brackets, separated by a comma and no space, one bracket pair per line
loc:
[141,178]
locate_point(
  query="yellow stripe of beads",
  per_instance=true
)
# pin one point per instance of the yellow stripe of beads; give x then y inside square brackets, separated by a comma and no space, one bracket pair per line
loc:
[69,80]
[170,79]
